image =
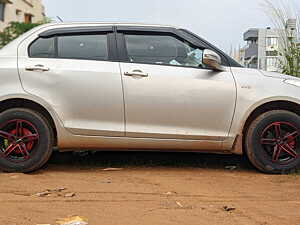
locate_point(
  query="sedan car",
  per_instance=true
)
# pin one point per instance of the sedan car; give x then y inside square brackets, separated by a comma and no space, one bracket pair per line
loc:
[140,87]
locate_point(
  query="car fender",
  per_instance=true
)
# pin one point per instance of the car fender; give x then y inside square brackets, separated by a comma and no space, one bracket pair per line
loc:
[61,131]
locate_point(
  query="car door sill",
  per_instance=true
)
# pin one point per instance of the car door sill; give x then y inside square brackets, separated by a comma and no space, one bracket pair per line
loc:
[74,142]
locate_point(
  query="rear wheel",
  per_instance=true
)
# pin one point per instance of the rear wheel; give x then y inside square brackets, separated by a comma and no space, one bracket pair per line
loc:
[273,142]
[26,140]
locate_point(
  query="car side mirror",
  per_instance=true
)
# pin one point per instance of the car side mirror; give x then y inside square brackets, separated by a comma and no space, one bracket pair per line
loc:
[212,60]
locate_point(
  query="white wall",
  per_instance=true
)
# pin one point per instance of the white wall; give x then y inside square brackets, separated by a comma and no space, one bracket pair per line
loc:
[34,7]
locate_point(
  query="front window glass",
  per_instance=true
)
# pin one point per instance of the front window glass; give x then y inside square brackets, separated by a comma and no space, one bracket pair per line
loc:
[93,47]
[162,49]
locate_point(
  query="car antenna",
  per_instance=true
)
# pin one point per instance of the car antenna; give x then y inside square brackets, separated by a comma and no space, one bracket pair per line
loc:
[60,19]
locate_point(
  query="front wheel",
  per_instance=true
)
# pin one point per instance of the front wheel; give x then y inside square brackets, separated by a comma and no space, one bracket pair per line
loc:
[273,142]
[26,140]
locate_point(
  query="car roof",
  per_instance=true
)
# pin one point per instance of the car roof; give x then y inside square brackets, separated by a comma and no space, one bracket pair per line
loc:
[110,24]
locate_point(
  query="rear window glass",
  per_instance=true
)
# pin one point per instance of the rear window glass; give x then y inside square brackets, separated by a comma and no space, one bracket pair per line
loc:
[42,48]
[92,47]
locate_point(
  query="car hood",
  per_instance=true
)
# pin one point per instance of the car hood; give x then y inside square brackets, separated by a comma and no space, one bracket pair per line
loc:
[278,75]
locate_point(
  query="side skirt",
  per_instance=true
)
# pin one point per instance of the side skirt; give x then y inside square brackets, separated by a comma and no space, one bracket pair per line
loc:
[77,142]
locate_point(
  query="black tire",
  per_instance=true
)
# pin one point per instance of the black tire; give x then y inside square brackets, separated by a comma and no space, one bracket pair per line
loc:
[36,141]
[267,139]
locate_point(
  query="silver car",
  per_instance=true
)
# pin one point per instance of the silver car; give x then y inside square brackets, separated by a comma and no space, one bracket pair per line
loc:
[140,87]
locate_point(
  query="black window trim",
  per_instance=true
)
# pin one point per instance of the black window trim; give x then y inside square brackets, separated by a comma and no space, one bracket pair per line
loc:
[117,51]
[55,33]
[177,33]
[75,31]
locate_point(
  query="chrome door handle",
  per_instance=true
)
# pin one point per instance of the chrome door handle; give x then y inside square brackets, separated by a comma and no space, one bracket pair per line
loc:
[38,67]
[136,73]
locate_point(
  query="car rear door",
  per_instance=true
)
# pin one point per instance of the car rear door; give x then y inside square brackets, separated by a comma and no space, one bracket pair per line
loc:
[167,94]
[73,69]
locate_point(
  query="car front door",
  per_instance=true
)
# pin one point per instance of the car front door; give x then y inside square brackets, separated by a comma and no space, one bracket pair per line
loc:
[168,92]
[74,72]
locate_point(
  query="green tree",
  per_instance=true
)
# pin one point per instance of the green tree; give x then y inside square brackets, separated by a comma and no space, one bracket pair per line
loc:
[15,29]
[291,58]
[280,12]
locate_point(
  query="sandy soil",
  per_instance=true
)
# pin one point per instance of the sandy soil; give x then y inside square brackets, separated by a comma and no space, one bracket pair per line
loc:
[151,189]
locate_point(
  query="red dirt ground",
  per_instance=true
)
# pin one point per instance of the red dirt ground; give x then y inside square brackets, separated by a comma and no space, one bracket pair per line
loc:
[151,189]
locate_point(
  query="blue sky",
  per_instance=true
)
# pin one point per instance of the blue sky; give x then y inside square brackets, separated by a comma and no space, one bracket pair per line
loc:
[222,22]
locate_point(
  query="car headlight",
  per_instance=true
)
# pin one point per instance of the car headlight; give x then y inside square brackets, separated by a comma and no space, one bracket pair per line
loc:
[293,82]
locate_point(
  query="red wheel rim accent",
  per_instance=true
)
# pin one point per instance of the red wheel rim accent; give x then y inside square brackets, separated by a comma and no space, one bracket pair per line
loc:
[18,139]
[280,142]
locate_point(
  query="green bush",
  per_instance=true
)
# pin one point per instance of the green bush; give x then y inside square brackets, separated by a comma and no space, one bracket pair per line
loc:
[280,12]
[14,30]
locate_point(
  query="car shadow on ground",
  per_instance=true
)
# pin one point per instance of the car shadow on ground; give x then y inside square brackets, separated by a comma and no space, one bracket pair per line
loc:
[102,159]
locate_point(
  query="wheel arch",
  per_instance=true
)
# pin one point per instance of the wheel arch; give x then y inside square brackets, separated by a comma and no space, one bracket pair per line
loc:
[33,105]
[291,106]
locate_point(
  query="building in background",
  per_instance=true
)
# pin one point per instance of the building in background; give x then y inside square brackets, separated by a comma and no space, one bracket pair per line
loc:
[262,50]
[28,11]
[263,47]
[239,55]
